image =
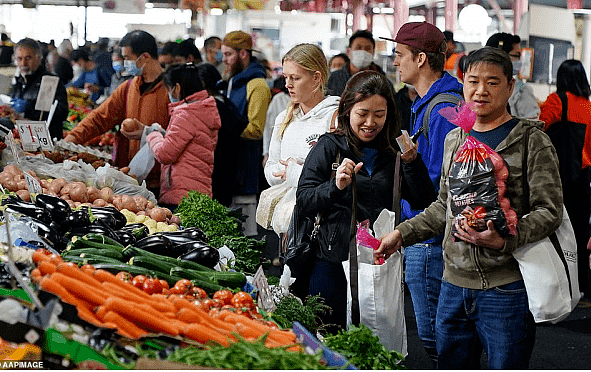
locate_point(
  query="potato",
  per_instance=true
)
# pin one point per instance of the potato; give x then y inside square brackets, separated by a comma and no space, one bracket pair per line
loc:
[21,185]
[106,194]
[65,190]
[117,202]
[99,202]
[93,193]
[158,214]
[44,184]
[24,194]
[150,205]
[18,177]
[71,203]
[5,177]
[140,202]
[77,204]
[11,186]
[78,193]
[127,202]
[12,169]
[57,184]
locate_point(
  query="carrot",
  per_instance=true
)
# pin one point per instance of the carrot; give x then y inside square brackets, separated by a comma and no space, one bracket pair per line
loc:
[38,256]
[80,289]
[202,334]
[283,337]
[50,285]
[71,270]
[124,325]
[235,318]
[189,316]
[130,311]
[105,276]
[88,316]
[46,267]
[246,331]
[101,312]
[163,306]
[199,316]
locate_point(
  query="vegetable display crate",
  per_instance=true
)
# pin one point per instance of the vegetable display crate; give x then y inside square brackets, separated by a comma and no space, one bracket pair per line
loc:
[333,359]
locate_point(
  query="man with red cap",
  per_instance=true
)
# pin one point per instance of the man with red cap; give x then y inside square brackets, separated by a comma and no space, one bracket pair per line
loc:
[420,60]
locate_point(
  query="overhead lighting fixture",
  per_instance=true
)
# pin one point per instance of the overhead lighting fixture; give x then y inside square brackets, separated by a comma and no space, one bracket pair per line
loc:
[294,12]
[376,10]
[149,5]
[216,11]
[277,9]
[387,10]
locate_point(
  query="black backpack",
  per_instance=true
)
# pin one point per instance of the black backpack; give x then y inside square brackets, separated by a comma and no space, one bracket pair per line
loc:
[568,138]
[439,98]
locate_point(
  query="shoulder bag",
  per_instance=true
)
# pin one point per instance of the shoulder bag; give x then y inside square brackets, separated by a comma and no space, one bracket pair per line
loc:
[549,266]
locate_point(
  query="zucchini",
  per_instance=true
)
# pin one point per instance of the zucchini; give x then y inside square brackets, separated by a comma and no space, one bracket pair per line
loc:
[197,279]
[91,259]
[131,251]
[230,279]
[136,270]
[78,242]
[152,264]
[95,251]
[102,239]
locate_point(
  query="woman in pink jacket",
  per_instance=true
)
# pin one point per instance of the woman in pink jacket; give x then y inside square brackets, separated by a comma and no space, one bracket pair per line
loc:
[186,150]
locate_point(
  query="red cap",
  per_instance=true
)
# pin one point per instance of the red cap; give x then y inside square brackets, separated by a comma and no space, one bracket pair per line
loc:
[421,35]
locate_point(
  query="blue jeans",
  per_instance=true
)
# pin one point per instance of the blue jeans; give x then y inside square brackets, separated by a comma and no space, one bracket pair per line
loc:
[423,273]
[496,319]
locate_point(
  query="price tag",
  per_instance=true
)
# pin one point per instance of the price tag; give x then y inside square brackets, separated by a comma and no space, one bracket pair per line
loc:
[34,134]
[13,147]
[262,286]
[32,184]
[46,93]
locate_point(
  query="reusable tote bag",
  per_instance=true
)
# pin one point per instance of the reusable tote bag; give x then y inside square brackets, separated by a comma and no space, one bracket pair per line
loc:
[549,268]
[377,300]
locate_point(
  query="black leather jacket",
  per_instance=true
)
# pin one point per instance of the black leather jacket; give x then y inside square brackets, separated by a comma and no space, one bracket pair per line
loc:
[317,192]
[29,89]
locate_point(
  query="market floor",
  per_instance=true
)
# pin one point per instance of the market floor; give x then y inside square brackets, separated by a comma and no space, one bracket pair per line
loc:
[566,345]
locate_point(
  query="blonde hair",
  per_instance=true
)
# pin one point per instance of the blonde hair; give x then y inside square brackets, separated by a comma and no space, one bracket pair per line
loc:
[311,58]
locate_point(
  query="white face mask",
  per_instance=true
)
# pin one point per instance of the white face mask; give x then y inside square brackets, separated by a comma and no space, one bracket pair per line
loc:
[361,58]
[77,69]
[334,69]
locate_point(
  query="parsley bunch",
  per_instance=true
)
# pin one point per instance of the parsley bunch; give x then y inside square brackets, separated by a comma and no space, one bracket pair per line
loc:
[291,309]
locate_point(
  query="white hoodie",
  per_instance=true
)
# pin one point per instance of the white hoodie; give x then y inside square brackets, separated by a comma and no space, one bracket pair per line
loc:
[299,137]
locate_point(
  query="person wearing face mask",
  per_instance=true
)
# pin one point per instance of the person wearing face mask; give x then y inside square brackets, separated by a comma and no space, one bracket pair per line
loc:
[338,61]
[186,150]
[167,54]
[523,102]
[93,78]
[212,48]
[360,51]
[26,84]
[120,74]
[144,99]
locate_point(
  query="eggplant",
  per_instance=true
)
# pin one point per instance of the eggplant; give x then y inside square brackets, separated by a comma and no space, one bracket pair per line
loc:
[15,200]
[158,244]
[104,219]
[125,237]
[31,211]
[76,219]
[192,232]
[138,230]
[202,254]
[120,220]
[92,229]
[56,207]
[178,240]
[179,249]
[45,230]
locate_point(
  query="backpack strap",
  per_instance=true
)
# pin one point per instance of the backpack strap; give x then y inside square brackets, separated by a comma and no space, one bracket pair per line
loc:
[564,100]
[440,98]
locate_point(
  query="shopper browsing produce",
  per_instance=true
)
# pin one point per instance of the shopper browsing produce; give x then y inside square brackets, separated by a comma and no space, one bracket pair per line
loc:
[479,266]
[186,151]
[368,123]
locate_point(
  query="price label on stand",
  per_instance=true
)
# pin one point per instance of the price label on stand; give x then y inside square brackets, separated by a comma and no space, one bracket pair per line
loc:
[262,286]
[32,184]
[34,134]
[13,147]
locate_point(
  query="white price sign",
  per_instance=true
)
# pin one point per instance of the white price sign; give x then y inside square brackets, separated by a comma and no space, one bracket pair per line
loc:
[13,147]
[262,286]
[32,184]
[34,134]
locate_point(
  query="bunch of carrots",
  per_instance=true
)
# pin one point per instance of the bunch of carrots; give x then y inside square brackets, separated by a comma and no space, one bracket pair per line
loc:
[105,301]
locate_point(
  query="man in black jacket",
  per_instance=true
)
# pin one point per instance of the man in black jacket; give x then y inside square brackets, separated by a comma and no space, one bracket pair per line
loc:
[26,86]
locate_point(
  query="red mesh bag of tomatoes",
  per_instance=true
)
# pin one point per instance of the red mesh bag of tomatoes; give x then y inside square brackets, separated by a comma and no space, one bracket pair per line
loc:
[477,180]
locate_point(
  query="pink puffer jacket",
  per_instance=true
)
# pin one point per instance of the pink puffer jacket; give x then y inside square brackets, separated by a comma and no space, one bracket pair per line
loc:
[186,151]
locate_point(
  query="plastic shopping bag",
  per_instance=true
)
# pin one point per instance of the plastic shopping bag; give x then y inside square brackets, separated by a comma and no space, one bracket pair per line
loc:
[381,290]
[268,200]
[142,163]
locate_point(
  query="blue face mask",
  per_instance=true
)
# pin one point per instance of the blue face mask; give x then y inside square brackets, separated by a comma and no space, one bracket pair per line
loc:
[171,98]
[219,56]
[131,68]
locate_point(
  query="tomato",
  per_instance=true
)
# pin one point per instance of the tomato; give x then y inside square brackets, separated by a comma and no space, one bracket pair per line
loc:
[164,284]
[182,286]
[198,293]
[184,282]
[229,308]
[217,303]
[244,312]
[242,299]
[138,281]
[225,295]
[206,304]
[124,276]
[152,285]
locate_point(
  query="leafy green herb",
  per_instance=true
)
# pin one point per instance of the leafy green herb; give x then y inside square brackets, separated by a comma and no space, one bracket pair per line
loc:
[222,227]
[363,349]
[247,355]
[291,309]
[272,280]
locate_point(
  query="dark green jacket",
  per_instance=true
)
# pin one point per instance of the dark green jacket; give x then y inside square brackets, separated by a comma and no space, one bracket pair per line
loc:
[471,266]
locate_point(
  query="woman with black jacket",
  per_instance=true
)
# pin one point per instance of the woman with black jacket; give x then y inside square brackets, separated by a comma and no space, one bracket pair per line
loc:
[368,124]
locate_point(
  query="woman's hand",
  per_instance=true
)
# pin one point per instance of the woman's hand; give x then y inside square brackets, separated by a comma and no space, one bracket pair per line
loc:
[389,244]
[281,174]
[489,238]
[345,171]
[410,154]
[132,128]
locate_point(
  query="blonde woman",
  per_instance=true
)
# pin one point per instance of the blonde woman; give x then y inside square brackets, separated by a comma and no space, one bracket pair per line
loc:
[309,114]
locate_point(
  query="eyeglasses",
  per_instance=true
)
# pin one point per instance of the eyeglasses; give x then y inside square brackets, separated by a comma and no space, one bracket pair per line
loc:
[518,56]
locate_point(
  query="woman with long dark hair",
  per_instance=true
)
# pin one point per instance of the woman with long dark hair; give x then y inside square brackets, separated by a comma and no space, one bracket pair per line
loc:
[575,174]
[365,140]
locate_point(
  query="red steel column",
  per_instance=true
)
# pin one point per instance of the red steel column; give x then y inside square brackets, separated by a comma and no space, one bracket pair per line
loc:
[401,12]
[451,14]
[520,7]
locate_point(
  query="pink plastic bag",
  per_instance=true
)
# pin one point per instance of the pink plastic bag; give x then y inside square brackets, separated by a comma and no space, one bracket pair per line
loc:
[365,239]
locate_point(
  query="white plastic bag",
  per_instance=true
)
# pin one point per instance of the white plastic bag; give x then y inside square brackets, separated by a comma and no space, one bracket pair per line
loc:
[283,211]
[267,202]
[381,291]
[142,163]
[551,281]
